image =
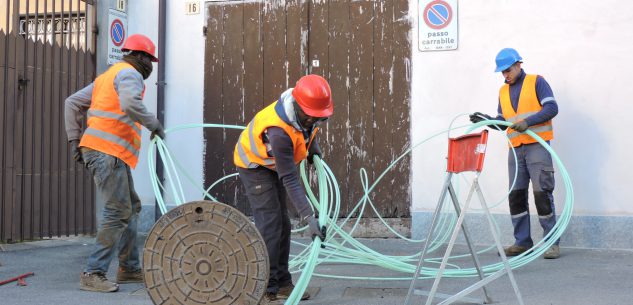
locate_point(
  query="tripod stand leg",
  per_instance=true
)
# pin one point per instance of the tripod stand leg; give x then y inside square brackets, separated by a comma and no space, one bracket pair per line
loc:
[418,269]
[502,253]
[449,249]
[473,253]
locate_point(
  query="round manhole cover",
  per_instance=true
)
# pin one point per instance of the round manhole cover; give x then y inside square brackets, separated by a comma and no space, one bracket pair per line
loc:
[205,252]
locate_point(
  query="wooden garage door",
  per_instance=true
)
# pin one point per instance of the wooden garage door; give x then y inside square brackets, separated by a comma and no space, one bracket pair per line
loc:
[257,49]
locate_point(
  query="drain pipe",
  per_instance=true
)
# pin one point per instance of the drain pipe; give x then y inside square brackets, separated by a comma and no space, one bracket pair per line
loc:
[160,94]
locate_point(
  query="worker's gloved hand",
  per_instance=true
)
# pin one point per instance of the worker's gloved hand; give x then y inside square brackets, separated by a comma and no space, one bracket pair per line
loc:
[315,229]
[314,150]
[158,132]
[478,117]
[74,149]
[520,126]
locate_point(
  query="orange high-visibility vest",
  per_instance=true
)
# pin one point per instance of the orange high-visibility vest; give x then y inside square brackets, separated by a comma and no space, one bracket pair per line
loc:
[250,150]
[110,130]
[528,105]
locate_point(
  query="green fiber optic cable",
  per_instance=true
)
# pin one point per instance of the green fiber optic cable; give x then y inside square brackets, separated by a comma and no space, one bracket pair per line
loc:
[341,247]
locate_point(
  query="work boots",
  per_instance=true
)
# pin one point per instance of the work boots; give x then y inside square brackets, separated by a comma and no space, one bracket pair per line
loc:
[96,281]
[270,299]
[552,253]
[124,276]
[515,250]
[284,293]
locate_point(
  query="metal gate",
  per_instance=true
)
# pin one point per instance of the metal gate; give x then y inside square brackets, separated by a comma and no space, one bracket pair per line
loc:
[46,54]
[257,49]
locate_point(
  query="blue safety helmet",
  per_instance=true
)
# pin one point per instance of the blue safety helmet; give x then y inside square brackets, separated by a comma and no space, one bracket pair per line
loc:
[506,58]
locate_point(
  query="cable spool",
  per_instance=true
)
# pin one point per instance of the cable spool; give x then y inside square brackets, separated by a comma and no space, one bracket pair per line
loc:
[205,252]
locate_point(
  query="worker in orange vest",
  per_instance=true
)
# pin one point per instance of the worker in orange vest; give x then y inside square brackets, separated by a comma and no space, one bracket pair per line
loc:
[109,147]
[527,101]
[266,155]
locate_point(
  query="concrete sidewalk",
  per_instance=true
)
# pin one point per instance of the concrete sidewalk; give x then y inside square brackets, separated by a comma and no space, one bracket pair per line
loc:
[579,277]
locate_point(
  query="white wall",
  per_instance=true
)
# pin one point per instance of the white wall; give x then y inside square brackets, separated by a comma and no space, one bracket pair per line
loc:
[583,49]
[184,65]
[184,93]
[143,19]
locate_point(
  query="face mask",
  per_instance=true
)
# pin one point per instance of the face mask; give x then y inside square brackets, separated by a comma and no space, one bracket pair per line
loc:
[305,120]
[142,64]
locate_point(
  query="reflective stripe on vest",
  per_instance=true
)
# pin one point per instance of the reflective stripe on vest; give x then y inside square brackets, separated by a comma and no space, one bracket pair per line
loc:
[250,150]
[110,130]
[528,105]
[111,138]
[119,117]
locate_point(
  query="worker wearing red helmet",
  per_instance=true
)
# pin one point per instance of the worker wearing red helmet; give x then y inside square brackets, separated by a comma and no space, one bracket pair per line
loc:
[109,147]
[266,155]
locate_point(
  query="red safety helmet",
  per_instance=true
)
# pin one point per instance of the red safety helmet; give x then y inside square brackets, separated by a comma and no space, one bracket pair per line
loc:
[139,42]
[314,96]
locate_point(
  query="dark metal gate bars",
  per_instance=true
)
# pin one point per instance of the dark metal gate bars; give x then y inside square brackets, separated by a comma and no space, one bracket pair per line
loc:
[47,52]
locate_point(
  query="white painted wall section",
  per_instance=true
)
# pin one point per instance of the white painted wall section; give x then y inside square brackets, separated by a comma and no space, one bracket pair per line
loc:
[184,76]
[184,94]
[143,19]
[582,48]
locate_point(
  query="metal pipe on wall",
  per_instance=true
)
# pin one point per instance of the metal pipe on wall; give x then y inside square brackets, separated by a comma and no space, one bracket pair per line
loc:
[160,92]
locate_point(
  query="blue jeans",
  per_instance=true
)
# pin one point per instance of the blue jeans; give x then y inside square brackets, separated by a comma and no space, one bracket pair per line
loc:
[113,181]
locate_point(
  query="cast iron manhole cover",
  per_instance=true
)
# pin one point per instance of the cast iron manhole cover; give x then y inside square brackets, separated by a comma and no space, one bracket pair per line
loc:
[205,252]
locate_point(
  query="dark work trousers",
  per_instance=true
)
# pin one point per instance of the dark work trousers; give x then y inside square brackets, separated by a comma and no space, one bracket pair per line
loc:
[114,185]
[267,197]
[534,163]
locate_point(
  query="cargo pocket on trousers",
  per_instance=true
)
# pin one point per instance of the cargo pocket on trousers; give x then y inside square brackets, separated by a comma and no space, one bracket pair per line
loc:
[259,188]
[259,193]
[547,179]
[103,166]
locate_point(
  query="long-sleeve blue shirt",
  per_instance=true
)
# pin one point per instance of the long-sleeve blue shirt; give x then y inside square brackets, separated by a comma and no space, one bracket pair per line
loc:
[544,95]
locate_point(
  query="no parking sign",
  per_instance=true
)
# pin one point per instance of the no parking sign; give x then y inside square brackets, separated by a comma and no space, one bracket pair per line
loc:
[437,25]
[117,33]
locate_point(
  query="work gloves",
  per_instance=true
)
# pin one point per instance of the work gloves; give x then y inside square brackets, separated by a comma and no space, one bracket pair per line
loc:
[520,126]
[315,229]
[313,150]
[478,117]
[74,149]
[158,132]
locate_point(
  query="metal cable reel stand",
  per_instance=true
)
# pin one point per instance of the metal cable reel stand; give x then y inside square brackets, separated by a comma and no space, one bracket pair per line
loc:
[205,252]
[465,153]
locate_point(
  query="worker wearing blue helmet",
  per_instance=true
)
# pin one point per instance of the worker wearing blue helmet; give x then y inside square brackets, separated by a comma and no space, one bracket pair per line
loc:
[527,101]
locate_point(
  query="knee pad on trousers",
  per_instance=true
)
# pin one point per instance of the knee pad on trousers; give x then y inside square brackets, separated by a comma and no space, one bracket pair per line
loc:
[543,203]
[518,201]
